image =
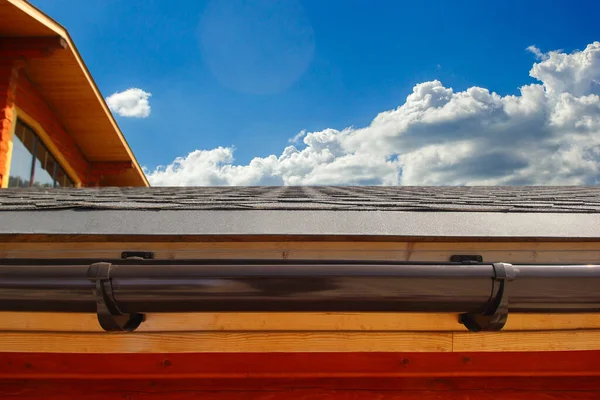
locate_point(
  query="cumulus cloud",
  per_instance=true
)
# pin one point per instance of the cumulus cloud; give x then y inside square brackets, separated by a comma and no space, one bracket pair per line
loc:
[547,134]
[132,102]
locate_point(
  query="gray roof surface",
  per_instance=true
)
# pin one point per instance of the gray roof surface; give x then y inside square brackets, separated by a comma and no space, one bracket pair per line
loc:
[441,212]
[546,199]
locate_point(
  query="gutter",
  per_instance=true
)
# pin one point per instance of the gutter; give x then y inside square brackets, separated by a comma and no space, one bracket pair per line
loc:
[122,291]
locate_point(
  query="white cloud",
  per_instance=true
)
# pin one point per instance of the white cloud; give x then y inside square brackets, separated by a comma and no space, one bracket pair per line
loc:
[298,136]
[536,51]
[548,134]
[132,102]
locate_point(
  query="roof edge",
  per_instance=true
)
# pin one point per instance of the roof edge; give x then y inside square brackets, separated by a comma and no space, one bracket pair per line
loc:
[349,224]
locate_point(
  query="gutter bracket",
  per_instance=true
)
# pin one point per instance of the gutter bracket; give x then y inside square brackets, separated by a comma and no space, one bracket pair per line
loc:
[494,317]
[137,255]
[111,319]
[466,258]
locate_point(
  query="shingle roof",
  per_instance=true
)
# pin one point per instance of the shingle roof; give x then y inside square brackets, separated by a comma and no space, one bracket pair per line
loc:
[537,199]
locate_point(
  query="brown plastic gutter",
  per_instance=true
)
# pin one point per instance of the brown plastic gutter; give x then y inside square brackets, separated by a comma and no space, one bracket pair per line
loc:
[121,291]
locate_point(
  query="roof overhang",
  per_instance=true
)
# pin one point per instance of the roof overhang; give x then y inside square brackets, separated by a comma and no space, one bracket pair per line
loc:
[65,82]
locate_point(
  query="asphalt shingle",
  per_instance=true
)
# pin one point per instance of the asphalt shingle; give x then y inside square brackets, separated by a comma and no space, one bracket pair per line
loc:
[566,199]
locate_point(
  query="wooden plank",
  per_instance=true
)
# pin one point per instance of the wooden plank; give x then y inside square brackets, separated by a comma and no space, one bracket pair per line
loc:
[39,366]
[223,342]
[516,252]
[302,375]
[299,341]
[527,341]
[290,321]
[309,389]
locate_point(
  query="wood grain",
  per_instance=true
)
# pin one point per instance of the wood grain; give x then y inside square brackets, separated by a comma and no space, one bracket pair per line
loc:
[272,322]
[445,384]
[299,342]
[295,365]
[527,341]
[223,342]
[301,375]
[515,252]
[314,390]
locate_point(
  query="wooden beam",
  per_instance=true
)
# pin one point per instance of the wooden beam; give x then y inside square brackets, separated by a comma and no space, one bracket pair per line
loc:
[31,47]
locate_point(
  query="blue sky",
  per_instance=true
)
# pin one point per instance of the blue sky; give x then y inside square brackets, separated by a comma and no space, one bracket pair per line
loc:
[214,82]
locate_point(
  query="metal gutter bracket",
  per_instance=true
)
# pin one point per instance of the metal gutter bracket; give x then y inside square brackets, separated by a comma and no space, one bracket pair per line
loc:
[111,319]
[494,317]
[466,258]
